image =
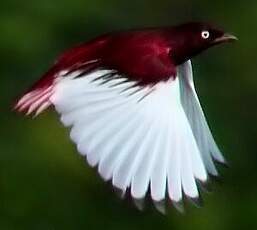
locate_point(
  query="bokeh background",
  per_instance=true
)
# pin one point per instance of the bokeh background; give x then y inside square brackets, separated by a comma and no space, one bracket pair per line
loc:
[45,185]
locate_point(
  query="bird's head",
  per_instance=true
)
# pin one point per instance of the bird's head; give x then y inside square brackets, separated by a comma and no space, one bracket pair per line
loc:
[191,39]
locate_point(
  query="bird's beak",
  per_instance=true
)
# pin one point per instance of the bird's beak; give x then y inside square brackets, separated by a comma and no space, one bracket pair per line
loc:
[225,38]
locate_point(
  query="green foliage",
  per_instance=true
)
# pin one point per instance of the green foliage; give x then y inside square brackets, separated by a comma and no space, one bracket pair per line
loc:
[45,185]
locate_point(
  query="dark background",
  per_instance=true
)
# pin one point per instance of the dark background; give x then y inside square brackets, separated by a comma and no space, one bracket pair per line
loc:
[45,185]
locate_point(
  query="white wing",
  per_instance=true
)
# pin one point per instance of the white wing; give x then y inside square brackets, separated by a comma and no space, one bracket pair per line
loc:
[194,112]
[138,137]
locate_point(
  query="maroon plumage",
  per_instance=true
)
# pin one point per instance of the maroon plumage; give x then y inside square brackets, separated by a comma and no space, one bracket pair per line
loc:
[147,56]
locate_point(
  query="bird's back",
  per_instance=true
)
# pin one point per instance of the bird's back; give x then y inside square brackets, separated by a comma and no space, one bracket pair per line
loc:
[139,54]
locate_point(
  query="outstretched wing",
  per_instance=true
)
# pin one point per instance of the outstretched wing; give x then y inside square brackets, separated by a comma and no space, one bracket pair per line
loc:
[142,137]
[139,137]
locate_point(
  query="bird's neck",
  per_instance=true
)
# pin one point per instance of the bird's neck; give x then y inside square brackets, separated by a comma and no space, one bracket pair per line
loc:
[182,52]
[181,48]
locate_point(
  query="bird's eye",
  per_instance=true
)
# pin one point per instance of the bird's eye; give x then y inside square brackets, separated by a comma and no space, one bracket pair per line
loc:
[205,34]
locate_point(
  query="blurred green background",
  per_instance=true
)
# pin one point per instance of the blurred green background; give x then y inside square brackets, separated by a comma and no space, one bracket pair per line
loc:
[45,185]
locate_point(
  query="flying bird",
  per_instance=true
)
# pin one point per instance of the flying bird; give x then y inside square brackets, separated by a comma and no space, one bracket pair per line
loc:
[130,101]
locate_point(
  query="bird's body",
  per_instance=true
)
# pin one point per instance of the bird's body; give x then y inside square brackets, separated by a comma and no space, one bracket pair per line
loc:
[130,100]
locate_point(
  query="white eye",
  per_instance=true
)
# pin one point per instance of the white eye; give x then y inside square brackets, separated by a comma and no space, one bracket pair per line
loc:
[205,34]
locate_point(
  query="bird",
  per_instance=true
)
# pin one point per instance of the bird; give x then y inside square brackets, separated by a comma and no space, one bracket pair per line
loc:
[129,100]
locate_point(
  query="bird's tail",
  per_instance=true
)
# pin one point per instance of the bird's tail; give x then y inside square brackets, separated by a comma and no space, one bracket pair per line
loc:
[37,98]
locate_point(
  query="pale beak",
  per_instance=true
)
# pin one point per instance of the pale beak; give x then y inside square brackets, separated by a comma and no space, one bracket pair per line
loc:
[225,38]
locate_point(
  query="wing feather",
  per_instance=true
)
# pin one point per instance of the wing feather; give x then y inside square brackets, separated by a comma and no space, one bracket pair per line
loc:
[141,177]
[159,173]
[197,120]
[139,137]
